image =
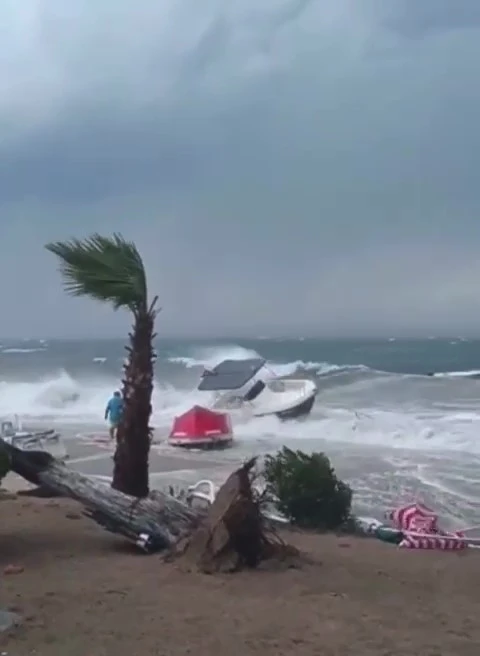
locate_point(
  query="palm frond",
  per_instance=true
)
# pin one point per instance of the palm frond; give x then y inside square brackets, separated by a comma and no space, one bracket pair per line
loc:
[104,268]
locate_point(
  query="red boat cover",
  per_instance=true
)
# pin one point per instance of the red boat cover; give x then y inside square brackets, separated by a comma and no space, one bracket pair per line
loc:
[199,423]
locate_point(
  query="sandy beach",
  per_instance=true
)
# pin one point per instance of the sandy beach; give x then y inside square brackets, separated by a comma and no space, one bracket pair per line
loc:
[84,592]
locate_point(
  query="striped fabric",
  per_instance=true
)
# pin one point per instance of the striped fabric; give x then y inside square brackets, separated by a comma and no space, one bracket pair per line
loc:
[432,542]
[420,527]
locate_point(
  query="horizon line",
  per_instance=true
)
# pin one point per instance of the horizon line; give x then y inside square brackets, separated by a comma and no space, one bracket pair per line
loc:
[300,338]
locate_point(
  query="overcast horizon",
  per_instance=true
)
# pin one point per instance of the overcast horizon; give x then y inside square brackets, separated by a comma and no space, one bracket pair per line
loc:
[6,341]
[290,168]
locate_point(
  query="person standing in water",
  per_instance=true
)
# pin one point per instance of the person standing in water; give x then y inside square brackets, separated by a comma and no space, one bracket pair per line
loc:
[113,412]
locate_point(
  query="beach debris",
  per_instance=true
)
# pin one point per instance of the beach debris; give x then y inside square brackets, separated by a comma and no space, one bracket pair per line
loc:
[8,621]
[230,533]
[73,515]
[419,529]
[13,569]
[234,533]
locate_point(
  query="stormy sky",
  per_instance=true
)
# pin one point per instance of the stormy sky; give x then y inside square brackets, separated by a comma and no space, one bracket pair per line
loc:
[286,167]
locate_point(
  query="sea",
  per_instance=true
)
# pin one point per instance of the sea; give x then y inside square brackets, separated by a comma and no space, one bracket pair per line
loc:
[392,431]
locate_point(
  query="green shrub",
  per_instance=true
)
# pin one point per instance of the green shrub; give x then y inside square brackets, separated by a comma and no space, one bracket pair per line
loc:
[307,489]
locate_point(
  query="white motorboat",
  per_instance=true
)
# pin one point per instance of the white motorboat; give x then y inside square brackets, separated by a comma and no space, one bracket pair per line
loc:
[247,386]
[49,440]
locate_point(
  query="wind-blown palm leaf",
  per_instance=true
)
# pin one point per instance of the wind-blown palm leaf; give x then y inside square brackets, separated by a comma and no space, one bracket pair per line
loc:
[107,269]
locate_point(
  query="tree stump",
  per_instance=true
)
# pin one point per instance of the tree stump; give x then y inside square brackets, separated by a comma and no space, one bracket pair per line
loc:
[233,534]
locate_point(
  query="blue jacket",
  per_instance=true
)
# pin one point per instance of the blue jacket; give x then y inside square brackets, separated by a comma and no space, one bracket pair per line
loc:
[114,409]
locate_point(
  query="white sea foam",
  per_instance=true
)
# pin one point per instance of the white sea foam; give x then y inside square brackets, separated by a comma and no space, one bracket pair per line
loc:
[211,356]
[63,399]
[12,351]
[375,410]
[457,374]
[392,436]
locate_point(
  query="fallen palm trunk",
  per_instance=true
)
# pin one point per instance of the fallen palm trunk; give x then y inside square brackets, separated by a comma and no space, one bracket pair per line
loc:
[156,522]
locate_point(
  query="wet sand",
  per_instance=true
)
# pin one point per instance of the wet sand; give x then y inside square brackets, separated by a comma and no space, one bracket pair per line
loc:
[84,592]
[168,466]
[381,476]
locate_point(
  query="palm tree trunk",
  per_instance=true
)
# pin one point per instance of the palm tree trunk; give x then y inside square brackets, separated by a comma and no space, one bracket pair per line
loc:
[130,473]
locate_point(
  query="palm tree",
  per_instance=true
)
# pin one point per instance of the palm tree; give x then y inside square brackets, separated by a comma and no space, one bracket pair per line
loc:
[111,270]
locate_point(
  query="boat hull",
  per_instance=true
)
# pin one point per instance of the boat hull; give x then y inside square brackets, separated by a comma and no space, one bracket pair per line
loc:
[201,428]
[203,443]
[302,409]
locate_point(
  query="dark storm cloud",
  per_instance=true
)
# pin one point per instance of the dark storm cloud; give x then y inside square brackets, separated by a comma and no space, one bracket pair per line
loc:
[93,157]
[416,18]
[284,167]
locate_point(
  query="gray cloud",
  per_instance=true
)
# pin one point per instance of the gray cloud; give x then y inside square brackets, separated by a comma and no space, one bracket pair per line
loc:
[416,19]
[289,167]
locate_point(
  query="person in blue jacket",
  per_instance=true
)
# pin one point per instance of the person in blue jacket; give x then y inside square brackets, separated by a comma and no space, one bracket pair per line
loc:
[113,412]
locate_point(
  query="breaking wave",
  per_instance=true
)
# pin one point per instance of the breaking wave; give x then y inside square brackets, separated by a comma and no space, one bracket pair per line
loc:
[390,434]
[355,404]
[211,356]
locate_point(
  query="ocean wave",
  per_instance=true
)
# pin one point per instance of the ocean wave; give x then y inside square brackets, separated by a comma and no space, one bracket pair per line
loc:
[355,404]
[64,399]
[21,350]
[387,433]
[209,357]
[473,373]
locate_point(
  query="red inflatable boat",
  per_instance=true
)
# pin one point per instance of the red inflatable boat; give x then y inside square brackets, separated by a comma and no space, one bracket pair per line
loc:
[200,428]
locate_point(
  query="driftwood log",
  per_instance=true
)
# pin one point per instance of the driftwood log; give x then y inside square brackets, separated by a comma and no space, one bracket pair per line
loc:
[227,536]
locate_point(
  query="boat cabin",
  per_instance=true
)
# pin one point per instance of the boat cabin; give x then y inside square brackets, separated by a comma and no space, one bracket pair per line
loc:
[236,380]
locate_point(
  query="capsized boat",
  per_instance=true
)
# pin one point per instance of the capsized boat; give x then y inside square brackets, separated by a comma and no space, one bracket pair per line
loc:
[49,440]
[248,387]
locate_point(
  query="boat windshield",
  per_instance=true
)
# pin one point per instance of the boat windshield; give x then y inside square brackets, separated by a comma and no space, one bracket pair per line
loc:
[254,391]
[230,375]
